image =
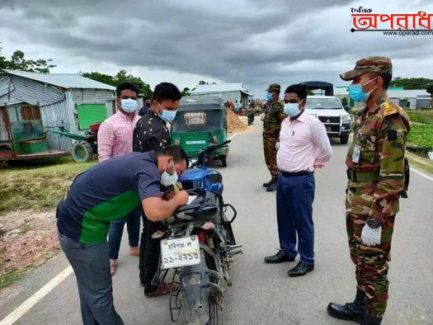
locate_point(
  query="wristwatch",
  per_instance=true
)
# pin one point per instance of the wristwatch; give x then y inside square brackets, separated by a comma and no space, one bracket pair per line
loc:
[373,223]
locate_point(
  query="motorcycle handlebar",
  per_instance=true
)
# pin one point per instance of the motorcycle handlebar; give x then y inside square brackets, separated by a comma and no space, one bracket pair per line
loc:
[208,150]
[215,147]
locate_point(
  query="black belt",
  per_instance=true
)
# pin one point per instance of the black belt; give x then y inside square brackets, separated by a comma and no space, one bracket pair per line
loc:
[300,173]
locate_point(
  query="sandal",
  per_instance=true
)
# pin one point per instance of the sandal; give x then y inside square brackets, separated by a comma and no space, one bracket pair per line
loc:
[163,289]
[134,251]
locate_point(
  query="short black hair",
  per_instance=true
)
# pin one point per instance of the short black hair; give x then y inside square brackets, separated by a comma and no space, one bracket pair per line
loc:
[386,77]
[126,85]
[299,90]
[176,152]
[166,91]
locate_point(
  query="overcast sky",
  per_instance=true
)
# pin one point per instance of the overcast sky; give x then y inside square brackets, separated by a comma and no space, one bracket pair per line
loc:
[183,41]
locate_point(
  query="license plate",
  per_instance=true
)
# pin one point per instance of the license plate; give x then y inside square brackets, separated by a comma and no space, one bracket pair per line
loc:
[180,252]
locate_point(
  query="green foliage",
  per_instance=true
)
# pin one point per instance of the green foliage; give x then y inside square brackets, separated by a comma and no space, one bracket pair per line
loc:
[421,135]
[412,83]
[8,278]
[19,62]
[186,92]
[120,77]
[421,116]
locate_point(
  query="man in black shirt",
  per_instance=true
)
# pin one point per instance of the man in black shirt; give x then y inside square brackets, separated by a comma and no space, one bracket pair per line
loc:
[152,134]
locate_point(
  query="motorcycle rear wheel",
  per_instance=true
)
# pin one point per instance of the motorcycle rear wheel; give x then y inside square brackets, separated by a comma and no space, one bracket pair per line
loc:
[214,312]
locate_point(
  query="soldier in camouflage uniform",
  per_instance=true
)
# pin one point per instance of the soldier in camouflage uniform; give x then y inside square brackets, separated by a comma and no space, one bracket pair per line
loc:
[376,179]
[273,116]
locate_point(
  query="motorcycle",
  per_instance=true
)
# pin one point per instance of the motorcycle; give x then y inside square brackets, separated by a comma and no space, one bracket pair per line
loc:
[198,246]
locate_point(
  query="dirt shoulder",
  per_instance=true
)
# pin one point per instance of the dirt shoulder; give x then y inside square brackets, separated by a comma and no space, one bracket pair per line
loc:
[27,239]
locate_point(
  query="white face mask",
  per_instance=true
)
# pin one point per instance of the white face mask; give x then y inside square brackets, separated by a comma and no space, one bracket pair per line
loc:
[292,109]
[167,179]
[129,105]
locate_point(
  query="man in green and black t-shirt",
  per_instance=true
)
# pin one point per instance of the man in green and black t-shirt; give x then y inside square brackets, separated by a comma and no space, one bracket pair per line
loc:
[105,193]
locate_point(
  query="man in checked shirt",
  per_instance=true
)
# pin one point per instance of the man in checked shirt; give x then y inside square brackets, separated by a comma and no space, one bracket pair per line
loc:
[115,139]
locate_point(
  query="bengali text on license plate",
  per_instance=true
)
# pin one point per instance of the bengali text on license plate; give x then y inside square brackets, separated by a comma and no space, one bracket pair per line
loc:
[180,252]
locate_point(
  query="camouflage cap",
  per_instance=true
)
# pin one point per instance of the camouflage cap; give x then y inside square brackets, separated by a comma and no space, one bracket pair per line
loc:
[379,64]
[274,88]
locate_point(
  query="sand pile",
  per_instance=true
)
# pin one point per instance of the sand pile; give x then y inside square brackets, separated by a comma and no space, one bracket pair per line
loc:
[234,123]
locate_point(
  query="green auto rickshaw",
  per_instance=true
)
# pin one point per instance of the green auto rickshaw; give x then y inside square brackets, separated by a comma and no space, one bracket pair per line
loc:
[200,122]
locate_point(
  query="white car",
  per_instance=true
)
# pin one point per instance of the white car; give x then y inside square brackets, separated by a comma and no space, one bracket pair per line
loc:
[330,111]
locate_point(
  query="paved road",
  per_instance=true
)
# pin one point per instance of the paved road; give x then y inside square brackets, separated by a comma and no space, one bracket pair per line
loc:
[264,294]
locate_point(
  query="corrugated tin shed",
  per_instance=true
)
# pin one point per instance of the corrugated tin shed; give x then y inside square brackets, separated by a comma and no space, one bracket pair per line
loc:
[219,88]
[63,80]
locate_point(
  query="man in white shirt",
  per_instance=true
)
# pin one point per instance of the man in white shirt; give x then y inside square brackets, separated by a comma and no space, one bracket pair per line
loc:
[304,146]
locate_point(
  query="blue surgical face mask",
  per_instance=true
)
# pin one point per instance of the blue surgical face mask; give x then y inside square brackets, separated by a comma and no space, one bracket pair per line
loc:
[292,109]
[129,105]
[269,96]
[357,93]
[167,116]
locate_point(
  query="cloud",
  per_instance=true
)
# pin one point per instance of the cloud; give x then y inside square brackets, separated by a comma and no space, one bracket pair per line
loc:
[251,41]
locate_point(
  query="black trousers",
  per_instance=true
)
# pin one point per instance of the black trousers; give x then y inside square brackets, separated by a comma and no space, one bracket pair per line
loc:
[150,250]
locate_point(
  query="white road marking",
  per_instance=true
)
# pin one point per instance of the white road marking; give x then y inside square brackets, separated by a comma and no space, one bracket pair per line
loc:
[419,173]
[36,297]
[235,134]
[42,292]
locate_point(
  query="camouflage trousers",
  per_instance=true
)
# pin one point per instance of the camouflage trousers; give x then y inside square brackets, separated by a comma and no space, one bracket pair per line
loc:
[371,262]
[271,155]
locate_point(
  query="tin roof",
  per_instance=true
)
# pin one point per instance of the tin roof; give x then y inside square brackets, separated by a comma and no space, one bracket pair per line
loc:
[392,92]
[219,88]
[62,80]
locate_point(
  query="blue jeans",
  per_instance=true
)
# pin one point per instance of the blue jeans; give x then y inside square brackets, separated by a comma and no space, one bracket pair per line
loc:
[115,233]
[295,196]
[92,272]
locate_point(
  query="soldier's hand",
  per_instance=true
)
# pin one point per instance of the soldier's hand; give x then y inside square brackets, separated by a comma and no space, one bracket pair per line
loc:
[371,236]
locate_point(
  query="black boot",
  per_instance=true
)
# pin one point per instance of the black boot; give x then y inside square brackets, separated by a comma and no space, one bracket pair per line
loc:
[349,311]
[273,186]
[371,320]
[268,183]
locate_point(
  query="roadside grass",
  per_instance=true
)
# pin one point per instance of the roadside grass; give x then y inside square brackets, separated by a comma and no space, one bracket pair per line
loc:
[420,163]
[8,278]
[37,185]
[421,116]
[421,135]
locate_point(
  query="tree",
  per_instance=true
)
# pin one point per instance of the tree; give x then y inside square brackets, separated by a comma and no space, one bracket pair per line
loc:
[104,78]
[19,62]
[411,83]
[185,92]
[120,77]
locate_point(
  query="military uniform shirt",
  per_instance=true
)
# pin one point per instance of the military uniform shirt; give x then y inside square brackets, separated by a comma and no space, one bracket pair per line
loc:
[273,116]
[380,137]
